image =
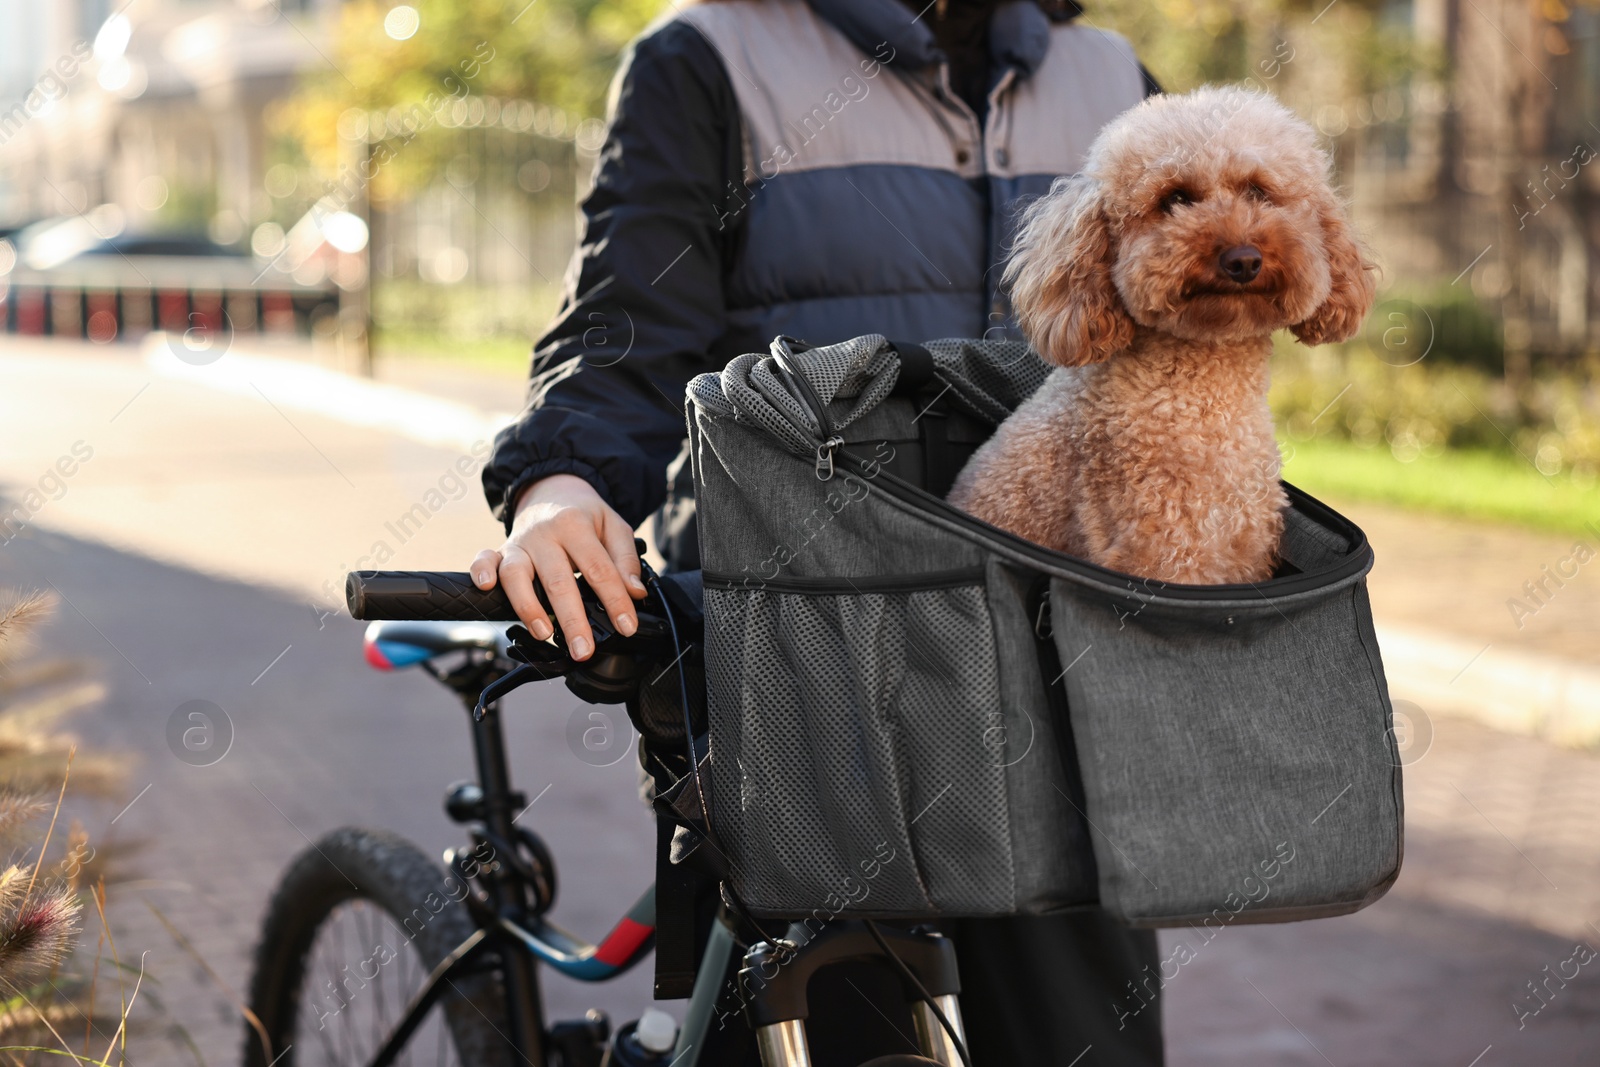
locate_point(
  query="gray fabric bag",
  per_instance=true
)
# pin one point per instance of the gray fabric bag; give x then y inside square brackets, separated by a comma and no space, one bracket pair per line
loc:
[913,713]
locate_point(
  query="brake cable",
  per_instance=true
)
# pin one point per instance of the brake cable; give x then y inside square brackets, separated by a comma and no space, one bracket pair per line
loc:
[922,991]
[710,835]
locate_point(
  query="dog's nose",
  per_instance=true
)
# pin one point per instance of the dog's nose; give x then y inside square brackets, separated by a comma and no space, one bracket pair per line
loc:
[1242,263]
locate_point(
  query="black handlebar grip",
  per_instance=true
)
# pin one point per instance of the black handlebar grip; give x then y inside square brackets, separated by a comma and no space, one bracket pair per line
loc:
[424,596]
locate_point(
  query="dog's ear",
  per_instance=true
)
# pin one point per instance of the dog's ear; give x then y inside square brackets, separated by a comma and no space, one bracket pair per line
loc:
[1353,276]
[1060,277]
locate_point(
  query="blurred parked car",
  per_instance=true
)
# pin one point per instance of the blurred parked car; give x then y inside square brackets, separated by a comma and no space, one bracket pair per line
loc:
[85,276]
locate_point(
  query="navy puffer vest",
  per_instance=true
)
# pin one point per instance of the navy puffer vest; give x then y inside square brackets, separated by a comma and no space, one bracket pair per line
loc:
[851,129]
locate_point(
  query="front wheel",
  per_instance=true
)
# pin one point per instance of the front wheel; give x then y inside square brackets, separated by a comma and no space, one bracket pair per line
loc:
[354,928]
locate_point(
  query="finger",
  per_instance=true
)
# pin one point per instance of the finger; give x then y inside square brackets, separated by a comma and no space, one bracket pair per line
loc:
[516,577]
[618,539]
[484,569]
[555,572]
[604,579]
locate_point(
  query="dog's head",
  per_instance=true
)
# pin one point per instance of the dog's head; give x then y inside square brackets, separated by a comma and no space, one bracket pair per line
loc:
[1208,216]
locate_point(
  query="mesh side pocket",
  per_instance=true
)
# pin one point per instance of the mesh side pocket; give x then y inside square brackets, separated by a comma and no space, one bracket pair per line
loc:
[850,772]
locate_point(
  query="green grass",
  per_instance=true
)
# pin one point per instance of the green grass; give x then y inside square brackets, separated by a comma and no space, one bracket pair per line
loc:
[1486,486]
[490,353]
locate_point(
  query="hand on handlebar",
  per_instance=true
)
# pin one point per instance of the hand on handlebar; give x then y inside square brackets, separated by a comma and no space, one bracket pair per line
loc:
[562,525]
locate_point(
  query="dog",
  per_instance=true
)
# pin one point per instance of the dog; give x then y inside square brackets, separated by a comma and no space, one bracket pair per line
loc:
[1154,279]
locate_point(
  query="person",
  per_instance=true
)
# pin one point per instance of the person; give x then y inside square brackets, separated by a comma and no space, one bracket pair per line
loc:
[822,169]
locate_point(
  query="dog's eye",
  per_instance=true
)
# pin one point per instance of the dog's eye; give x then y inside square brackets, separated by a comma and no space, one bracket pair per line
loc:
[1255,192]
[1174,198]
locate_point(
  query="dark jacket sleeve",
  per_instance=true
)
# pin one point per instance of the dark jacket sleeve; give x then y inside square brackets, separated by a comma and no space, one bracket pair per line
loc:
[644,303]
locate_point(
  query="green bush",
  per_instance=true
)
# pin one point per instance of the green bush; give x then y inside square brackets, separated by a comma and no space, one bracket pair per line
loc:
[1443,324]
[1426,407]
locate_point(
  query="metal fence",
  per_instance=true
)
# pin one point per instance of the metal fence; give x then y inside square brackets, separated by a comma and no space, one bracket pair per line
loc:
[484,245]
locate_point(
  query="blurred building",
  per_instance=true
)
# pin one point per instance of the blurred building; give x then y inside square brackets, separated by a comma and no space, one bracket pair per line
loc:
[162,114]
[130,118]
[132,145]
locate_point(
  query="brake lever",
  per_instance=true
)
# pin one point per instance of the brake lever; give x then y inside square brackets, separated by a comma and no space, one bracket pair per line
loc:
[608,676]
[515,678]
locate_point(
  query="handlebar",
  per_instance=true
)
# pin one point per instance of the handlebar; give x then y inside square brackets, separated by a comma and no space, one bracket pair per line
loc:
[607,677]
[438,596]
[450,596]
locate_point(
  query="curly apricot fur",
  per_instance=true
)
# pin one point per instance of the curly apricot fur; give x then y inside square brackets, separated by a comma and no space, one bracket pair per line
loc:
[1151,450]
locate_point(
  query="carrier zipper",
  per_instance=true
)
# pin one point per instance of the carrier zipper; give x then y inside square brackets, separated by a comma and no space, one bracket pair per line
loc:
[800,388]
[825,453]
[832,450]
[1357,562]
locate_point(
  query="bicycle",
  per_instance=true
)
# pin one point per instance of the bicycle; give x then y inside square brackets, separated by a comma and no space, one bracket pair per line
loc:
[449,958]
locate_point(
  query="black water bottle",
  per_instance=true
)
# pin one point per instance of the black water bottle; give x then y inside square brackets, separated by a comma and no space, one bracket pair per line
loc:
[646,1043]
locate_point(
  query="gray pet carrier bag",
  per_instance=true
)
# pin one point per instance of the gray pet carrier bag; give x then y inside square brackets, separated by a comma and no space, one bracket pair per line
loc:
[914,713]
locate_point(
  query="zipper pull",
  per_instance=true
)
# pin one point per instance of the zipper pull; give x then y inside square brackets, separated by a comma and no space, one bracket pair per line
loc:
[1042,627]
[825,458]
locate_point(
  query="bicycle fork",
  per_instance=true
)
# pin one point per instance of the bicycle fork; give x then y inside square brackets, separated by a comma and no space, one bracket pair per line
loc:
[774,982]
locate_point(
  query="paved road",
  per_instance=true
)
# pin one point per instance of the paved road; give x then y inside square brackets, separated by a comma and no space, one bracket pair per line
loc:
[215,484]
[320,741]
[190,552]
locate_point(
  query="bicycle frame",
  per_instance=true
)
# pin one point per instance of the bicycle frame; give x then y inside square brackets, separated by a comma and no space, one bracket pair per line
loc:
[517,935]
[773,979]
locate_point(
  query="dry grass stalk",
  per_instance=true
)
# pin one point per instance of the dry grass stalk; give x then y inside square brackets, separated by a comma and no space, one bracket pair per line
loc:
[20,616]
[40,908]
[35,696]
